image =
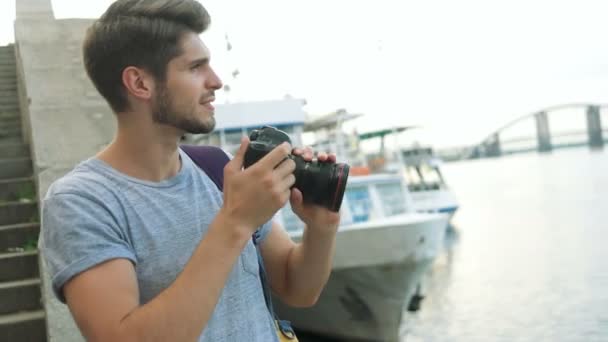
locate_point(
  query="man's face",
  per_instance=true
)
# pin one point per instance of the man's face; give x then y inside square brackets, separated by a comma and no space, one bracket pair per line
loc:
[184,99]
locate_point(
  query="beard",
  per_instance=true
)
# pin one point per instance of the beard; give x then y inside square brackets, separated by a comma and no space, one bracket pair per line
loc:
[165,112]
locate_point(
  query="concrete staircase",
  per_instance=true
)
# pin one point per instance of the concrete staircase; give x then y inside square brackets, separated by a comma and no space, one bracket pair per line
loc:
[22,317]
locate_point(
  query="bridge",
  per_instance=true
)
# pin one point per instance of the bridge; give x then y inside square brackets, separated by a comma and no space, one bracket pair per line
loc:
[543,139]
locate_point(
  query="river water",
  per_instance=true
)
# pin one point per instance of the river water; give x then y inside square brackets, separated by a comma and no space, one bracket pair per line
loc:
[528,257]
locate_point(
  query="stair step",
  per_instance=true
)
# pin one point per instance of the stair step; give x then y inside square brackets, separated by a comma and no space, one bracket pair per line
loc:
[6,110]
[18,237]
[14,151]
[10,132]
[10,122]
[15,189]
[18,266]
[8,96]
[7,61]
[9,115]
[8,87]
[11,140]
[8,93]
[15,167]
[24,326]
[20,295]
[18,212]
[11,103]
[8,129]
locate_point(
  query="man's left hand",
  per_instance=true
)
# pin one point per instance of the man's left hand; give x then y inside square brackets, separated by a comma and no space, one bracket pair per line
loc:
[313,215]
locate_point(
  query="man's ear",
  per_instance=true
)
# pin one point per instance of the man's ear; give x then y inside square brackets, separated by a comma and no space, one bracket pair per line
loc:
[138,83]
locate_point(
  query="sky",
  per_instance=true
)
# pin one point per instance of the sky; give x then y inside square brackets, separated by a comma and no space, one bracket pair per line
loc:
[458,68]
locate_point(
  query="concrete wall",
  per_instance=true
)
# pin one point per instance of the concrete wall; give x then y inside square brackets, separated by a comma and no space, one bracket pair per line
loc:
[66,120]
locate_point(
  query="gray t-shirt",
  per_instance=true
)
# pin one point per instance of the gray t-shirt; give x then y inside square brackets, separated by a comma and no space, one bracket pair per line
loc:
[96,213]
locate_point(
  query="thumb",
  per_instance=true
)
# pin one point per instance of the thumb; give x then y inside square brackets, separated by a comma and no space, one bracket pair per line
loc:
[239,156]
[296,199]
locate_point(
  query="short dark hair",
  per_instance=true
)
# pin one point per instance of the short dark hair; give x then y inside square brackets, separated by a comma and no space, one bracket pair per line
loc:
[142,33]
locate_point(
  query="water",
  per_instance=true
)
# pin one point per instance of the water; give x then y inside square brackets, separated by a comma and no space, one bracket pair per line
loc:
[528,259]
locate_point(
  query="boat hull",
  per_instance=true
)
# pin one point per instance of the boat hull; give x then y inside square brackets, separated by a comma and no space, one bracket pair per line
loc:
[365,300]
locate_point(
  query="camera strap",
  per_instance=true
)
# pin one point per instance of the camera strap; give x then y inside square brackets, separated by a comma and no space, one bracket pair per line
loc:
[212,161]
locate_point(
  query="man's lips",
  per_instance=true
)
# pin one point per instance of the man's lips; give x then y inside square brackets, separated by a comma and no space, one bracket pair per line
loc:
[207,103]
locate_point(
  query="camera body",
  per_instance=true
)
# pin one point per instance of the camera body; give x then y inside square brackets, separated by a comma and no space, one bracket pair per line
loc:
[320,183]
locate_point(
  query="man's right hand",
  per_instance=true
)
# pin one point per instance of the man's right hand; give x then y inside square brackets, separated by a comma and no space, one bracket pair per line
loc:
[253,195]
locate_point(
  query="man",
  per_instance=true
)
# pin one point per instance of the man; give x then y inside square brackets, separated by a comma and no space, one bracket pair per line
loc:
[140,243]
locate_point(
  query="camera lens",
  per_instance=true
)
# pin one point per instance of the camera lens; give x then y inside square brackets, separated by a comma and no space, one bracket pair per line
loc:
[321,183]
[337,185]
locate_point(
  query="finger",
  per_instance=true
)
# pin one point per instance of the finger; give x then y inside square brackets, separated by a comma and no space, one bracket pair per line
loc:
[332,158]
[286,194]
[275,157]
[296,198]
[286,167]
[308,153]
[287,182]
[239,156]
[322,156]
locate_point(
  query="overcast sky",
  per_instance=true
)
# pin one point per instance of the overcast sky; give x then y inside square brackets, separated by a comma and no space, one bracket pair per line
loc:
[460,68]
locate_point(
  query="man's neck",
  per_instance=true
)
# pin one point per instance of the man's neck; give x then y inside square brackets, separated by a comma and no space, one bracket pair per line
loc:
[144,150]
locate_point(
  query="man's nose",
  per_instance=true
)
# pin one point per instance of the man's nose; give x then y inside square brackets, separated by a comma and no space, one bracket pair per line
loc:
[213,81]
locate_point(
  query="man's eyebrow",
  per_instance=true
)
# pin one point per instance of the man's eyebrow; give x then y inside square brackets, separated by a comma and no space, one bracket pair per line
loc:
[199,61]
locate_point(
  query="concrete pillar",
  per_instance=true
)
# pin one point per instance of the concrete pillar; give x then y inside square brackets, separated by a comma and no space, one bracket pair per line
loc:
[492,146]
[594,127]
[34,9]
[543,134]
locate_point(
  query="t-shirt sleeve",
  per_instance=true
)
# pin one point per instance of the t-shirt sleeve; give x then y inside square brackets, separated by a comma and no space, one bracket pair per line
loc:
[78,233]
[264,230]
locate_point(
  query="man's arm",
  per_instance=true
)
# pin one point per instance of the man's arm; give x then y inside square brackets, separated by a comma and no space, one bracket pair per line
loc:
[104,299]
[298,272]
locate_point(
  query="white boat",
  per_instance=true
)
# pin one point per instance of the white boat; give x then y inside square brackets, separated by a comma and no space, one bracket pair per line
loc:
[421,168]
[427,186]
[383,247]
[382,252]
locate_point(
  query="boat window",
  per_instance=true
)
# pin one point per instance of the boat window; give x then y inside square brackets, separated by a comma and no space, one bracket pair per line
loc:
[392,198]
[414,182]
[359,203]
[432,178]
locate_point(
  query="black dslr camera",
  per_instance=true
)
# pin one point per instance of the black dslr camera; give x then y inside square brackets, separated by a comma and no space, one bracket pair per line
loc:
[320,183]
